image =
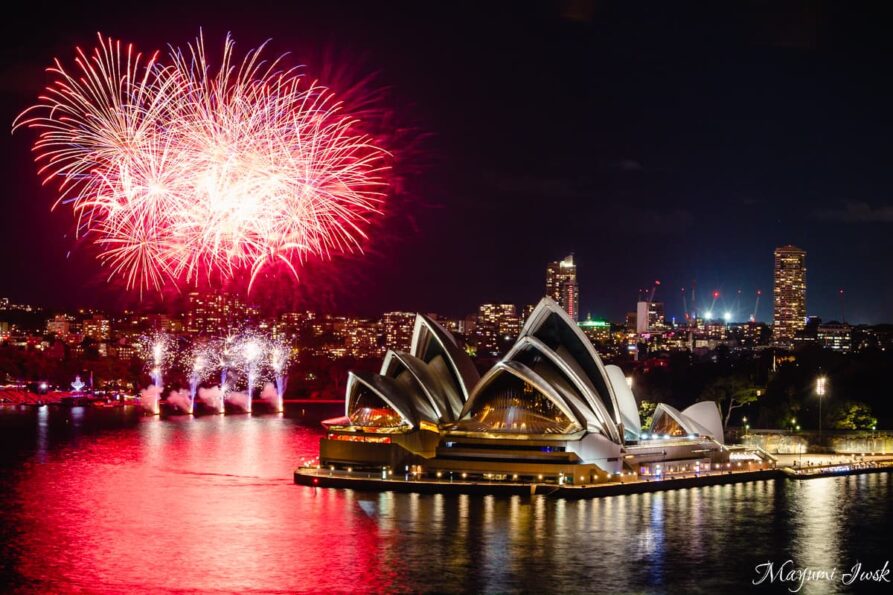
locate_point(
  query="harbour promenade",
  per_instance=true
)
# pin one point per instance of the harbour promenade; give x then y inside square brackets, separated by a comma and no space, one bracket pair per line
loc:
[367,481]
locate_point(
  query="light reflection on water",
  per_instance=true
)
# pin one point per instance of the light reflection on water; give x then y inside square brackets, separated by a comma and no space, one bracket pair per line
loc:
[111,501]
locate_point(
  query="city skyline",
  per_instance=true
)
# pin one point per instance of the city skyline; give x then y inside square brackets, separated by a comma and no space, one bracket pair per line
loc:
[487,332]
[562,286]
[635,194]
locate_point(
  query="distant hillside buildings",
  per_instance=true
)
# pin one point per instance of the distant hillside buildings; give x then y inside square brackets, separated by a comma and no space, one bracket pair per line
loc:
[485,333]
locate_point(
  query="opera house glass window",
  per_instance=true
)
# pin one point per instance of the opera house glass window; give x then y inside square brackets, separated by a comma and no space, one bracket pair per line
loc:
[512,405]
[369,410]
[667,426]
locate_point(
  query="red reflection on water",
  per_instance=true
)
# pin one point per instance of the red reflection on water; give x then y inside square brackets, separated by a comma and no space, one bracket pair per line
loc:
[205,503]
[208,504]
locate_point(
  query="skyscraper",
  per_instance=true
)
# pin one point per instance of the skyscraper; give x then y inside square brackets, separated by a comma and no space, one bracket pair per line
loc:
[561,285]
[790,293]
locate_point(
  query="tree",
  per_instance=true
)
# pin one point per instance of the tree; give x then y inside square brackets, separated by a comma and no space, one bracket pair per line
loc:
[646,411]
[853,415]
[730,393]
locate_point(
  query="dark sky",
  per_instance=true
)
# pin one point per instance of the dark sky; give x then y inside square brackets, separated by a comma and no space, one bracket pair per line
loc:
[654,141]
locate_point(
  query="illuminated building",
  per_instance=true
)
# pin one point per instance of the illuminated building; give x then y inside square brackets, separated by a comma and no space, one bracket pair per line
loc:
[507,322]
[96,327]
[174,326]
[671,341]
[323,325]
[754,334]
[486,332]
[835,336]
[6,305]
[397,329]
[123,350]
[496,324]
[454,325]
[213,314]
[561,285]
[294,326]
[470,324]
[809,334]
[649,317]
[873,337]
[130,326]
[548,411]
[360,338]
[60,325]
[789,293]
[716,330]
[598,331]
[324,336]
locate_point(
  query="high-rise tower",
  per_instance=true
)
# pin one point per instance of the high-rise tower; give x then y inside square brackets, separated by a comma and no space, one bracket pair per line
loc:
[790,293]
[561,285]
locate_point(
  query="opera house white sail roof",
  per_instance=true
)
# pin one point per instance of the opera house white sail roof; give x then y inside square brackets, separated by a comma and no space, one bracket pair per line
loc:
[552,381]
[429,384]
[701,419]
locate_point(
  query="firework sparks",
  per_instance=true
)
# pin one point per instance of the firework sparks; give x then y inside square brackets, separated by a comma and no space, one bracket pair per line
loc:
[249,358]
[181,172]
[158,350]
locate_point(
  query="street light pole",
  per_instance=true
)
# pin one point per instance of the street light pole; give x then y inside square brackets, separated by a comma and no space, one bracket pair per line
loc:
[820,384]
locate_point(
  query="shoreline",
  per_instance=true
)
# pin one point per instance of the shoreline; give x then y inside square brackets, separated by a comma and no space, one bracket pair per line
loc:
[313,477]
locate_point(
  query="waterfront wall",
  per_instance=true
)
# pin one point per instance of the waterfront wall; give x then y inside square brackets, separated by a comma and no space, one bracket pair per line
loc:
[777,442]
[882,444]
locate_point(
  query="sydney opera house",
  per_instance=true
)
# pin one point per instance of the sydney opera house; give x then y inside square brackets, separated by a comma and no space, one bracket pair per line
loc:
[548,411]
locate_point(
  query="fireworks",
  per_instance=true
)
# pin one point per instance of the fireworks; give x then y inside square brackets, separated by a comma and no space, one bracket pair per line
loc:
[180,172]
[157,351]
[239,354]
[245,359]
[278,357]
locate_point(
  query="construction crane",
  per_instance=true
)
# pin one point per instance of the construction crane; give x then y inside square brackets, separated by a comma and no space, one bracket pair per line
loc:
[756,306]
[709,313]
[842,306]
[653,291]
[694,297]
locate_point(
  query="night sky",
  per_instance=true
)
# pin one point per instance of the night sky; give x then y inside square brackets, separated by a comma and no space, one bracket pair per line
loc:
[652,141]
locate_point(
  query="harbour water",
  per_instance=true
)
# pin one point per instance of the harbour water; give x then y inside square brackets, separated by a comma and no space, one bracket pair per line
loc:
[108,500]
